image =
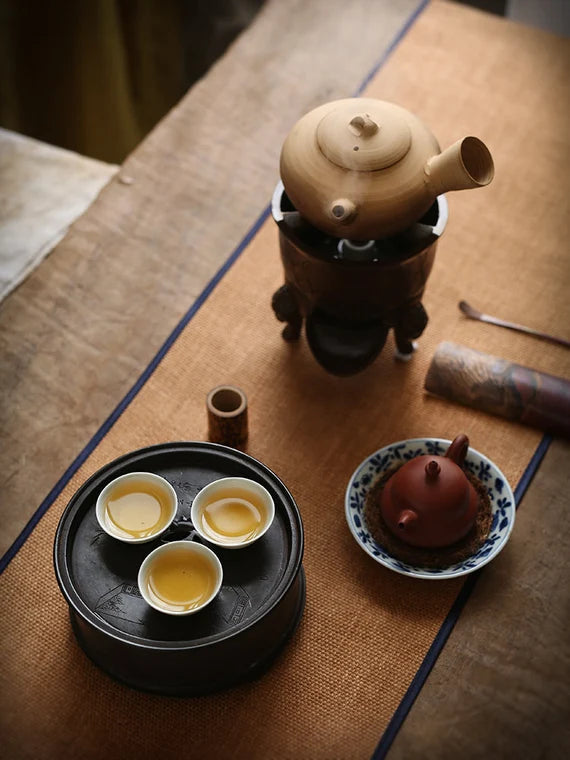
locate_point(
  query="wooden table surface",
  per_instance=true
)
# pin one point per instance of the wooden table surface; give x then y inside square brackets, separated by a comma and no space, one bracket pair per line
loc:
[77,334]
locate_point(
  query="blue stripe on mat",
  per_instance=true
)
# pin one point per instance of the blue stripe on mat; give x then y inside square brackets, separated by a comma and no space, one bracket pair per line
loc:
[393,45]
[114,416]
[120,408]
[447,626]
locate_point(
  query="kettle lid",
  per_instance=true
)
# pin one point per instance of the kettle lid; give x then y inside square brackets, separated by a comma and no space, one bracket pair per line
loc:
[364,135]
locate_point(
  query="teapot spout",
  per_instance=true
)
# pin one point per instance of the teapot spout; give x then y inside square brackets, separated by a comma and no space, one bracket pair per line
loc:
[467,163]
[407,519]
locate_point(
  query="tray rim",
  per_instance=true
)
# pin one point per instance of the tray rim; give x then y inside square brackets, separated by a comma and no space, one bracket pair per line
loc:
[251,674]
[77,604]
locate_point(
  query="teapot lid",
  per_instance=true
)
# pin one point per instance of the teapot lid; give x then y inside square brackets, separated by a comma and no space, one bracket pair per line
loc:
[364,139]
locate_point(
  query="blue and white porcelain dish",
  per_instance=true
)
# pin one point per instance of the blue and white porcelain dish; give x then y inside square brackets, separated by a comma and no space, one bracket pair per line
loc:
[368,472]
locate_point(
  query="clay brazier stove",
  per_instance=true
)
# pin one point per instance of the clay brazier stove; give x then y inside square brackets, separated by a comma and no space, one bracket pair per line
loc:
[360,210]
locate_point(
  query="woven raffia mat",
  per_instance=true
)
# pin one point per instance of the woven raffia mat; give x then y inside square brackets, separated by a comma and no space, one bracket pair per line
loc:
[365,630]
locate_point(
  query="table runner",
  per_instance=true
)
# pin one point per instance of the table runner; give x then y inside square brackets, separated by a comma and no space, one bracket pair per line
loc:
[365,631]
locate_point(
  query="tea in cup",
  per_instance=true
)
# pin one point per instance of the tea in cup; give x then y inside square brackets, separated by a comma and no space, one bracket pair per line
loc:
[180,578]
[136,507]
[232,512]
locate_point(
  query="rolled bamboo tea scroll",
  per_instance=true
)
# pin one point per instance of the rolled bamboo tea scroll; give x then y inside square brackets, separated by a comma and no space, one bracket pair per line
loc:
[500,387]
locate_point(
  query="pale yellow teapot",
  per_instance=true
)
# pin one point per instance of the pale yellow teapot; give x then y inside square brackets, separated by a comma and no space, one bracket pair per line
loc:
[364,169]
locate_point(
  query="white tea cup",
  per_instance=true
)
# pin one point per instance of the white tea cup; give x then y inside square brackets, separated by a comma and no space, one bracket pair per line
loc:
[232,512]
[136,507]
[180,578]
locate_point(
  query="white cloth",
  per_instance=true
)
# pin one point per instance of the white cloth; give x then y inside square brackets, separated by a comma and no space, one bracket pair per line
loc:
[43,189]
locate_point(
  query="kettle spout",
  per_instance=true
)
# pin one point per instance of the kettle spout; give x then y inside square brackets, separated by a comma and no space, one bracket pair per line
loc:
[467,163]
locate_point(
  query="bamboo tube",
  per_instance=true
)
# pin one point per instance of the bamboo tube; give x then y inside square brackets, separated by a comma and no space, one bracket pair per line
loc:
[227,416]
[500,387]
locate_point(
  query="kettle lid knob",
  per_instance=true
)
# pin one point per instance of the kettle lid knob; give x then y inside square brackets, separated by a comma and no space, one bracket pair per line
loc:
[363,126]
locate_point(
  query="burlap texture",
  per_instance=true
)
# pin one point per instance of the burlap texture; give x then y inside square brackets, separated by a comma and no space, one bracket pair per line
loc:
[365,630]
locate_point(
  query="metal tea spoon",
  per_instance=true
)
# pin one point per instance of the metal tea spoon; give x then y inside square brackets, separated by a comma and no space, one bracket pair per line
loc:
[472,313]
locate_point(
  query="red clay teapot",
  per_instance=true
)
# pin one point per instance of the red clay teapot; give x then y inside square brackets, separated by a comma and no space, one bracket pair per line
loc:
[363,168]
[429,502]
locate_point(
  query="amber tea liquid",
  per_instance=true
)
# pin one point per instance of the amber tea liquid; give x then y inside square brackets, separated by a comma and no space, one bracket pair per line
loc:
[233,516]
[137,508]
[179,580]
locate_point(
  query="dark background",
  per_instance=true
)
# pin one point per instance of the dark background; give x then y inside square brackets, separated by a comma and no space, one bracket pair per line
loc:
[95,76]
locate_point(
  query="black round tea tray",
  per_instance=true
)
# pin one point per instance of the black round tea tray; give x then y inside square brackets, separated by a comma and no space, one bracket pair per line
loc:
[234,638]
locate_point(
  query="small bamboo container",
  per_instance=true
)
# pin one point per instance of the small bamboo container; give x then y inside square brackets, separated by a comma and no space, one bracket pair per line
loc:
[227,416]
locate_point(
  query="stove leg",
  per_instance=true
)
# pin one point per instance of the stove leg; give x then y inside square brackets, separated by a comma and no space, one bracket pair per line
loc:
[410,324]
[404,346]
[286,309]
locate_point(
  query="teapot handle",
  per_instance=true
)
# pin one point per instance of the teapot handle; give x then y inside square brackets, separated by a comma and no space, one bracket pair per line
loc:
[458,449]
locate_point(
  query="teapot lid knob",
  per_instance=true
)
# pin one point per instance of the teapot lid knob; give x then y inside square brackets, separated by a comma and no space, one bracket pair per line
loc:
[432,470]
